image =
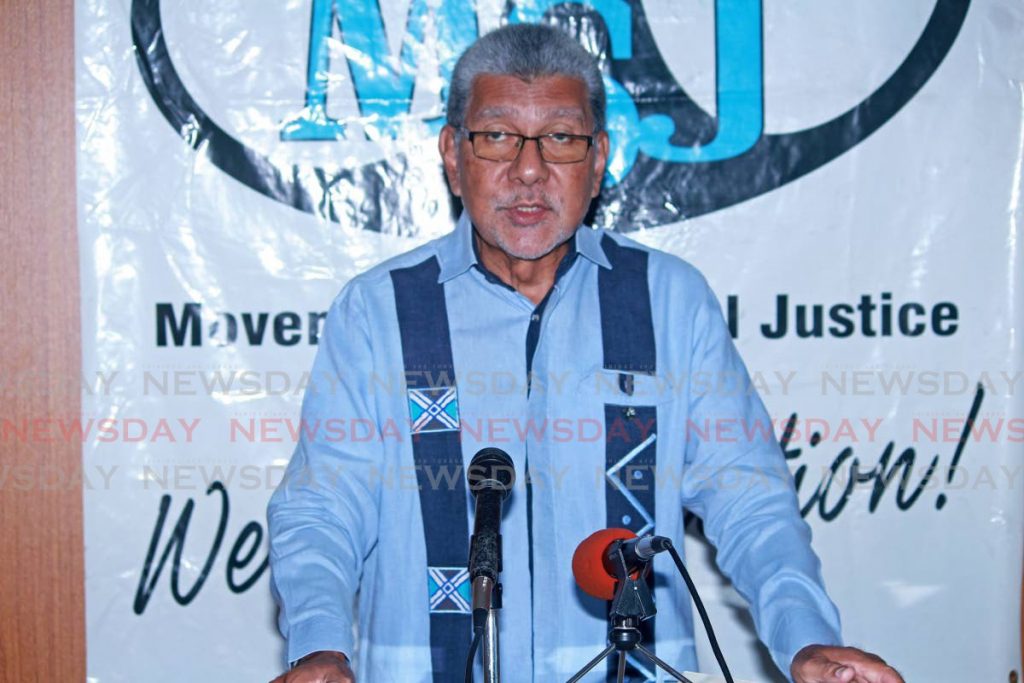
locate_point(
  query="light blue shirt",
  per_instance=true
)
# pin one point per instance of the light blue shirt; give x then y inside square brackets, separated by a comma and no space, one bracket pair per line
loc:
[346,519]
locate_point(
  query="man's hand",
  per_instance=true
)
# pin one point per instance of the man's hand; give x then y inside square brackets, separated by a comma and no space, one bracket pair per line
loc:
[319,667]
[823,664]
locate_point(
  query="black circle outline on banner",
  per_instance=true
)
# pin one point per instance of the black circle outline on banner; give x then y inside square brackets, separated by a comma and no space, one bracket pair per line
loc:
[683,190]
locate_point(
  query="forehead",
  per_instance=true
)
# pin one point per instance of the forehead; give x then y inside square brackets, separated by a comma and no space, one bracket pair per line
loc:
[539,100]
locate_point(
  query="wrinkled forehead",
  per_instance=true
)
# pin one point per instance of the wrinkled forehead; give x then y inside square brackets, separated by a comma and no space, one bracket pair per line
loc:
[578,114]
[495,97]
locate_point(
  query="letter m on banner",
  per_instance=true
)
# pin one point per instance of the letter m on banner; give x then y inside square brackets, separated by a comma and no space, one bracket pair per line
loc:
[383,82]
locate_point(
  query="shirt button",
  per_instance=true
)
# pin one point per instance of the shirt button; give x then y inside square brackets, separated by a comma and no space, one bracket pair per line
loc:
[626,519]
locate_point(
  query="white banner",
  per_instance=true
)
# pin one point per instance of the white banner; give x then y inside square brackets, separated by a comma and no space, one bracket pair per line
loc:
[847,176]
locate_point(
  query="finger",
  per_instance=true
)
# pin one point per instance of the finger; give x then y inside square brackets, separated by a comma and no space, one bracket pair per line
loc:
[820,669]
[336,679]
[313,676]
[876,672]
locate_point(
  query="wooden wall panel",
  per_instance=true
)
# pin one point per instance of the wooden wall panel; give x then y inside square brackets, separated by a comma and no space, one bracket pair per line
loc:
[42,621]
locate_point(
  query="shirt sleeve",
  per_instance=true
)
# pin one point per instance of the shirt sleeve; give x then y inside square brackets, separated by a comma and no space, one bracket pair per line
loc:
[322,519]
[736,479]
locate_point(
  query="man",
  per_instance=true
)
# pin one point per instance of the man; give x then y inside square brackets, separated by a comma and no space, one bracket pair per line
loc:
[523,329]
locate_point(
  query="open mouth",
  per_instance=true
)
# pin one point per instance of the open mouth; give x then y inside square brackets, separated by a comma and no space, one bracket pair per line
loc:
[527,214]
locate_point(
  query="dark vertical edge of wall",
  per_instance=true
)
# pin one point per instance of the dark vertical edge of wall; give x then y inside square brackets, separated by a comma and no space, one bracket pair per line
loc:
[42,614]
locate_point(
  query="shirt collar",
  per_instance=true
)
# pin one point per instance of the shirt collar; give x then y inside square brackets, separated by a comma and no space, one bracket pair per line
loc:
[588,243]
[457,255]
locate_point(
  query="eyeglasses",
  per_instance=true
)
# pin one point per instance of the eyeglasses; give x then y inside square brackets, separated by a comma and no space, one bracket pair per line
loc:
[555,148]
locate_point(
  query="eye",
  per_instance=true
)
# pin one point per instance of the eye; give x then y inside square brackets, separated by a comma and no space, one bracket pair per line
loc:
[560,138]
[495,136]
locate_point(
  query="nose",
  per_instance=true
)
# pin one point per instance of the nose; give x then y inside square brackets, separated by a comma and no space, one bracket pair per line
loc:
[529,167]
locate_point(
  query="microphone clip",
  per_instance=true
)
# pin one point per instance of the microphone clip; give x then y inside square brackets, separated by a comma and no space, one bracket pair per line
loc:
[633,599]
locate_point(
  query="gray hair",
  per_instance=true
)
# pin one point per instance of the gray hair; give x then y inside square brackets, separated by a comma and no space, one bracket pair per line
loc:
[526,51]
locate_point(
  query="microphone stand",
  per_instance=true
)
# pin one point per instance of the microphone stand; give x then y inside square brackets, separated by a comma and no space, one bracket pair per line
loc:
[631,605]
[492,670]
[491,475]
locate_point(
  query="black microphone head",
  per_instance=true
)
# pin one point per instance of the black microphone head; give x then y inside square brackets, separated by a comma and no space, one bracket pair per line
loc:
[491,468]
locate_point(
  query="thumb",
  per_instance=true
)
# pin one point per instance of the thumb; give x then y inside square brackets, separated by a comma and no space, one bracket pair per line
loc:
[821,669]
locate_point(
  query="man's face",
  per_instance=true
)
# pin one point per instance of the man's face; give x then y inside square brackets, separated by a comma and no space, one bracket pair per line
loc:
[525,207]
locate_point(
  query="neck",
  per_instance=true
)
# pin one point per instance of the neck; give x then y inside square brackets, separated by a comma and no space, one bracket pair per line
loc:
[531,278]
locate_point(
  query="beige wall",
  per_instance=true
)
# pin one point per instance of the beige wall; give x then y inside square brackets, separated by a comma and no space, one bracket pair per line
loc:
[42,624]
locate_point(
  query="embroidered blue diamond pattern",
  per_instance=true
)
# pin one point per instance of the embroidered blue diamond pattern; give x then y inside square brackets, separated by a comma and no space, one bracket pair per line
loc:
[449,589]
[434,410]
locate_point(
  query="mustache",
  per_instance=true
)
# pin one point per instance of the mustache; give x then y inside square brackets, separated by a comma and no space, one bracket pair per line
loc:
[540,199]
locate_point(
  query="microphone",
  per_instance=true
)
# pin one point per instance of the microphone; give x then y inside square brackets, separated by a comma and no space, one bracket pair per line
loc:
[599,560]
[490,475]
[636,551]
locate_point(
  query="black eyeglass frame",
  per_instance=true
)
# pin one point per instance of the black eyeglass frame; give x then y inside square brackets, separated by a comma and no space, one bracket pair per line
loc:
[471,134]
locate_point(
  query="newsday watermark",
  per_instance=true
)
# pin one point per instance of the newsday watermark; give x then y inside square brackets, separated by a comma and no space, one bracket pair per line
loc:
[198,477]
[276,430]
[183,382]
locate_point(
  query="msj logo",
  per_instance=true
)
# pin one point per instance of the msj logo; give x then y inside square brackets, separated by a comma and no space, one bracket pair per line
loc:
[670,160]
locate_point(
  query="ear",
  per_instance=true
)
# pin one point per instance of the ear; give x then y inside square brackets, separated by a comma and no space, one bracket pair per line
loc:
[448,145]
[600,161]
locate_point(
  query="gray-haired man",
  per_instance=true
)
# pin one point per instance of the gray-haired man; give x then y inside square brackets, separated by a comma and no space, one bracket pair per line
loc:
[520,290]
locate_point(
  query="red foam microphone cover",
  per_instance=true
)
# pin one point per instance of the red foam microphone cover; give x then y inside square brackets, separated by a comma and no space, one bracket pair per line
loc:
[588,562]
